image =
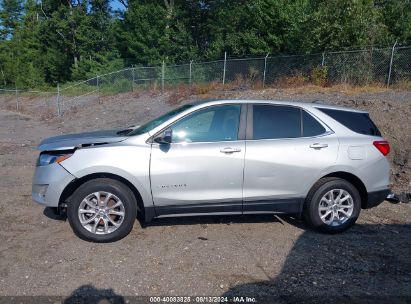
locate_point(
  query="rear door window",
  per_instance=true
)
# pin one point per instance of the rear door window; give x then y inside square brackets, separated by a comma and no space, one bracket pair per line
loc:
[355,121]
[274,122]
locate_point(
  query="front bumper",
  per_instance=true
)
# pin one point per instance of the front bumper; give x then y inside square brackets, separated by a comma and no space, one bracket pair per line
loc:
[48,184]
[375,198]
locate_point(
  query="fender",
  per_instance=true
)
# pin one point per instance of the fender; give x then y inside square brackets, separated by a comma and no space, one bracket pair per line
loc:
[129,162]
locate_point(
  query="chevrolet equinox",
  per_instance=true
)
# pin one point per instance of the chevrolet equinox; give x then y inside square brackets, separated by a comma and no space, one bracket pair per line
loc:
[321,162]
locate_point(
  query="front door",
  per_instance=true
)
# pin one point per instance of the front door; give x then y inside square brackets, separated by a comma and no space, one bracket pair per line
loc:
[201,171]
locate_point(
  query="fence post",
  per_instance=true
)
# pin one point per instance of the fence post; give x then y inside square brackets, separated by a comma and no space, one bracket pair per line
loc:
[265,68]
[132,72]
[17,99]
[190,81]
[391,60]
[323,59]
[225,63]
[162,75]
[58,100]
[98,88]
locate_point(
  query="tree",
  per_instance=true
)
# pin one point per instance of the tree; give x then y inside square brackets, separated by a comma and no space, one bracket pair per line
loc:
[395,15]
[245,27]
[96,42]
[55,41]
[26,49]
[335,25]
[153,31]
[58,39]
[10,16]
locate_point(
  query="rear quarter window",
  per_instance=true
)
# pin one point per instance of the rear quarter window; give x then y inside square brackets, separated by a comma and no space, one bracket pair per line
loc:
[355,121]
[311,127]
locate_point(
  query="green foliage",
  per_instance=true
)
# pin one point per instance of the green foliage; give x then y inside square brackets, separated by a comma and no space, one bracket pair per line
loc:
[336,24]
[119,85]
[395,18]
[89,67]
[252,27]
[152,32]
[10,16]
[95,44]
[319,75]
[61,41]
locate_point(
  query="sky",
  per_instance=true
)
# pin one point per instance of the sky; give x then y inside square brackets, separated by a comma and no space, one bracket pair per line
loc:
[116,5]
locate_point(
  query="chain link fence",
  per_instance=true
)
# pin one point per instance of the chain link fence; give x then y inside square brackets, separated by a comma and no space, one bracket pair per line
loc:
[29,101]
[401,65]
[377,66]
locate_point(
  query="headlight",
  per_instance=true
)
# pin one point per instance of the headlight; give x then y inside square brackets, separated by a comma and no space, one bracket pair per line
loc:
[48,158]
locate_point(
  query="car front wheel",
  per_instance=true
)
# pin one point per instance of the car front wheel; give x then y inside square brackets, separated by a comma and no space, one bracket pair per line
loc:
[332,206]
[102,210]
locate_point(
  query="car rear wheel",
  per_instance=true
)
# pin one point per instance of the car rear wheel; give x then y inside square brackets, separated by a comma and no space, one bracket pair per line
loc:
[332,206]
[102,210]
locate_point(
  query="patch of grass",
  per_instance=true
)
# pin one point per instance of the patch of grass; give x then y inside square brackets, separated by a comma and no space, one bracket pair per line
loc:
[402,85]
[206,88]
[180,93]
[297,80]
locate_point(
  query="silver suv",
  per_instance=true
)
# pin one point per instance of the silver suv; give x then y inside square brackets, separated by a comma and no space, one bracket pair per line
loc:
[321,162]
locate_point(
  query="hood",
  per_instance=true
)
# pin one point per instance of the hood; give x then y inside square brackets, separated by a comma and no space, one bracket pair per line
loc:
[71,141]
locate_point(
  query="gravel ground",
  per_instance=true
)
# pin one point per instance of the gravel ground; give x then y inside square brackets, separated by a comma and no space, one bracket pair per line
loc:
[237,255]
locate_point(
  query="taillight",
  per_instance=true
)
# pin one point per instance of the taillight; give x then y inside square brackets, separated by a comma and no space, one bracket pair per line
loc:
[383,146]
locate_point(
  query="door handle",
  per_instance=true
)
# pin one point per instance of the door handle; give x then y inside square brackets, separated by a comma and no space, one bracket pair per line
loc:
[229,150]
[318,146]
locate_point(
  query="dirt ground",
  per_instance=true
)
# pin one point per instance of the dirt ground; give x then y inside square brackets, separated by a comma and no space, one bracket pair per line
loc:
[238,255]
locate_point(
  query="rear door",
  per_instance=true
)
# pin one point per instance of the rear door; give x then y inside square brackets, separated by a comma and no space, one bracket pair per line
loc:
[286,149]
[201,171]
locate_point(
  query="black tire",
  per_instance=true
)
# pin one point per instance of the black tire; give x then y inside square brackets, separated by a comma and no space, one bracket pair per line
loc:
[107,185]
[312,202]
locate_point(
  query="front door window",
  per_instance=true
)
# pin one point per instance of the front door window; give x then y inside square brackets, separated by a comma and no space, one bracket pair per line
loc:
[213,124]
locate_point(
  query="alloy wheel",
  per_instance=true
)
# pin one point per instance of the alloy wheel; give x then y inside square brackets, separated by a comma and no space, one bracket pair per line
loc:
[336,207]
[101,212]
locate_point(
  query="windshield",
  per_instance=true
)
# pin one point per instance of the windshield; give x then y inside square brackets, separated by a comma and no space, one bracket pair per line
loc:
[158,121]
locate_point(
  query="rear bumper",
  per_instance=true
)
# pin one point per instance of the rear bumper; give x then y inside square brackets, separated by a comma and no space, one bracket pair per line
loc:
[375,198]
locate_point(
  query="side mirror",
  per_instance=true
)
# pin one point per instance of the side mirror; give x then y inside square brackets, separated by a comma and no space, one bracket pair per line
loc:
[165,137]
